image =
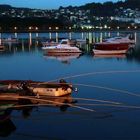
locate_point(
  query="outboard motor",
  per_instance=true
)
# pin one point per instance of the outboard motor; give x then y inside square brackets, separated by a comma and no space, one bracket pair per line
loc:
[26,90]
[66,86]
[62,81]
[24,86]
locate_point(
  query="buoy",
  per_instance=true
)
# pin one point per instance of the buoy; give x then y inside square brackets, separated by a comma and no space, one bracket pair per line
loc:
[76,90]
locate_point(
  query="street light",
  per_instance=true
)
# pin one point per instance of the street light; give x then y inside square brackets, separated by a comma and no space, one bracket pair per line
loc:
[15,28]
[101,27]
[30,28]
[36,28]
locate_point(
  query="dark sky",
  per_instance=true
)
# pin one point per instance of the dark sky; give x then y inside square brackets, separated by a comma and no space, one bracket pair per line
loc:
[48,4]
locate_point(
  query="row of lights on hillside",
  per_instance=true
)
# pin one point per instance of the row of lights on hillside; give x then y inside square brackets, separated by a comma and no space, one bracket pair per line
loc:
[31,28]
[90,27]
[95,27]
[87,27]
[36,28]
[135,27]
[105,27]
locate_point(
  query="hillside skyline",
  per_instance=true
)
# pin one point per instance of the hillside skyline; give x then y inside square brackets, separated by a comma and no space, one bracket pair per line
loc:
[46,4]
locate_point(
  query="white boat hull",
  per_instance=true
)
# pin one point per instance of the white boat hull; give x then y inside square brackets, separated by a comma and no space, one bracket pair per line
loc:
[62,50]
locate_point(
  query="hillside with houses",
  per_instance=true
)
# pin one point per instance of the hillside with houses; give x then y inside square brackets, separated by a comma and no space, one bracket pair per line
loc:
[108,15]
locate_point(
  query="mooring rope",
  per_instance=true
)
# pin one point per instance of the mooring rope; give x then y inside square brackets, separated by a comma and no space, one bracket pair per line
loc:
[108,88]
[87,99]
[112,105]
[95,73]
[78,105]
[48,101]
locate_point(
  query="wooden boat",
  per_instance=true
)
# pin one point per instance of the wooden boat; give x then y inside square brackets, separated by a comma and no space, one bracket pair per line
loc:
[65,46]
[36,88]
[116,45]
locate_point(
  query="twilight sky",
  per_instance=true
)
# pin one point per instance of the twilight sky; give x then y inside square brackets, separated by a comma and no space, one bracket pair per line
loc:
[48,4]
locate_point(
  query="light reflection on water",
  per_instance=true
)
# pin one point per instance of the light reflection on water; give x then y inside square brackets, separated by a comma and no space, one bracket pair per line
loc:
[26,60]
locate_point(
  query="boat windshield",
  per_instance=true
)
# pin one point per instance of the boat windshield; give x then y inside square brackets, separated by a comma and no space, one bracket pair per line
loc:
[64,42]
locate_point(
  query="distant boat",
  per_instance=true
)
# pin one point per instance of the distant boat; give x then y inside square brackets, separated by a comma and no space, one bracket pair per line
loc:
[10,40]
[116,45]
[65,46]
[2,48]
[60,88]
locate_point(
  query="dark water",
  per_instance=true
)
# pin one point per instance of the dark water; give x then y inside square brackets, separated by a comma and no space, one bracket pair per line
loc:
[27,61]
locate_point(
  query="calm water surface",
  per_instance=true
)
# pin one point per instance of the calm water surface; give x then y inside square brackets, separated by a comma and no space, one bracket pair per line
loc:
[27,61]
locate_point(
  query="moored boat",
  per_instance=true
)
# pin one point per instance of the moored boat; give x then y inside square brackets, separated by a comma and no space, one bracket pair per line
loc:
[65,46]
[116,45]
[10,40]
[2,48]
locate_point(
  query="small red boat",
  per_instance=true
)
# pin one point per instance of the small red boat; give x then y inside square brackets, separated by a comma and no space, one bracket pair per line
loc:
[116,45]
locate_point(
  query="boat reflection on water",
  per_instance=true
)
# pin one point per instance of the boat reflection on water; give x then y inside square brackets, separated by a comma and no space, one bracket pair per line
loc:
[63,57]
[6,124]
[133,55]
[112,56]
[13,101]
[26,107]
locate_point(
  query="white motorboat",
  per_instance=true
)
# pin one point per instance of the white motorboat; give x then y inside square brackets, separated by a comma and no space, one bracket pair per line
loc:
[64,46]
